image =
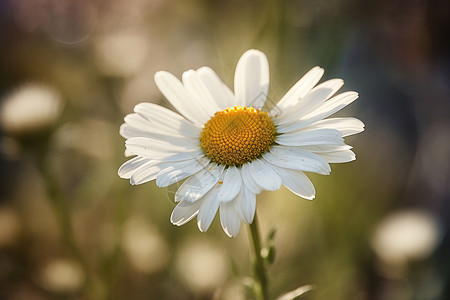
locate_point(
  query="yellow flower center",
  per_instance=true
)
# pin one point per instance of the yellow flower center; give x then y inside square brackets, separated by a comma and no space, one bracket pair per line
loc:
[237,135]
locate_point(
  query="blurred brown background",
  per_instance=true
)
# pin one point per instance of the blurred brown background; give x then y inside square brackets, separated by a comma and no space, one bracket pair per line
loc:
[70,228]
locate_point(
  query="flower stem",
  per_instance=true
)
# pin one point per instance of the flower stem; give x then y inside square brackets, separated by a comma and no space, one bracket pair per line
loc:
[260,266]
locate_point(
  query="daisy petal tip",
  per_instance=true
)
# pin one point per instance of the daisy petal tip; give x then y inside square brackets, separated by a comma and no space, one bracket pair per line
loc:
[248,219]
[138,106]
[254,55]
[204,69]
[187,198]
[176,222]
[318,70]
[158,75]
[124,130]
[230,234]
[122,127]
[121,172]
[122,175]
[177,198]
[188,73]
[233,228]
[202,227]
[161,76]
[173,222]
[352,94]
[254,52]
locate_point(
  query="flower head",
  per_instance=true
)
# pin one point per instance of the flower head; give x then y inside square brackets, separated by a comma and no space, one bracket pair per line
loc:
[227,148]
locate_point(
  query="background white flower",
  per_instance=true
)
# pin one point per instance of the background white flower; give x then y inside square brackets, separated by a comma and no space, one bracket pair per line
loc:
[30,108]
[406,235]
[227,148]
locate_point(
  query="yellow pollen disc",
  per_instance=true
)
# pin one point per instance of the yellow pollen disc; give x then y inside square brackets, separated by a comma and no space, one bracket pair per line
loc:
[237,135]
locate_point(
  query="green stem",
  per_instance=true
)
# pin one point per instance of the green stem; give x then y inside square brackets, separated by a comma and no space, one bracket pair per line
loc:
[260,266]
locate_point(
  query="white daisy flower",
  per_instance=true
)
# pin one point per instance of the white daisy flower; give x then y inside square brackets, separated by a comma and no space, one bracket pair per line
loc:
[227,148]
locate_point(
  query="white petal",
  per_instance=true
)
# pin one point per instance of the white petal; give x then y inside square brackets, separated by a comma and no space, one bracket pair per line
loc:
[297,159]
[172,157]
[208,210]
[300,89]
[245,205]
[247,178]
[128,131]
[184,212]
[159,150]
[181,170]
[164,145]
[223,96]
[328,108]
[197,88]
[130,166]
[264,175]
[137,126]
[347,126]
[148,172]
[338,156]
[251,80]
[325,148]
[167,123]
[312,100]
[132,129]
[231,223]
[333,85]
[311,137]
[163,118]
[196,186]
[180,98]
[231,184]
[334,104]
[297,182]
[128,153]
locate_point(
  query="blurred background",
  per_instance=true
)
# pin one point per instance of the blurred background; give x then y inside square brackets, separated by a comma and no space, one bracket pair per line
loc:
[70,228]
